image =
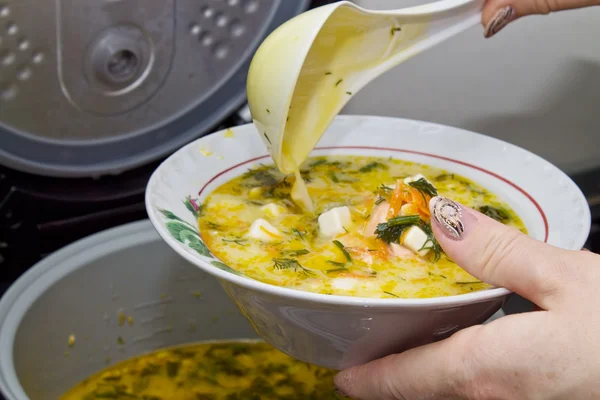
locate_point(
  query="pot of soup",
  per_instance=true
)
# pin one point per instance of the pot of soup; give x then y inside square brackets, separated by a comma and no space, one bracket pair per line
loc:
[88,322]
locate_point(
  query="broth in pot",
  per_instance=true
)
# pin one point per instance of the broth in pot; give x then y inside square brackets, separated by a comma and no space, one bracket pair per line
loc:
[240,370]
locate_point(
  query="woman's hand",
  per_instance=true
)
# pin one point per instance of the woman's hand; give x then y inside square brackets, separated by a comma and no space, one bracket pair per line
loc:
[553,353]
[498,13]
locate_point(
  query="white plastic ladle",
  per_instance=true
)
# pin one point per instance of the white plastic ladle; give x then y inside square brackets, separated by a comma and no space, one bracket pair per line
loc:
[307,70]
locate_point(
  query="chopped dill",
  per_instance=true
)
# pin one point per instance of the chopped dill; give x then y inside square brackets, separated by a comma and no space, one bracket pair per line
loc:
[470,186]
[297,232]
[349,93]
[391,230]
[496,213]
[291,263]
[268,111]
[443,177]
[238,241]
[327,73]
[372,166]
[467,283]
[343,249]
[335,270]
[395,29]
[384,192]
[318,162]
[262,176]
[306,176]
[431,243]
[423,186]
[277,189]
[348,180]
[213,225]
[295,253]
[338,82]
[173,368]
[266,137]
[334,177]
[337,264]
[391,294]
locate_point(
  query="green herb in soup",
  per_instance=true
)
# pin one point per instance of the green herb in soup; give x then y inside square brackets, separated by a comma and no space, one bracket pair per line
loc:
[210,371]
[370,236]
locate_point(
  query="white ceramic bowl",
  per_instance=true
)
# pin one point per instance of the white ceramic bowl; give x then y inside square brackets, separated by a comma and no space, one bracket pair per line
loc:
[337,331]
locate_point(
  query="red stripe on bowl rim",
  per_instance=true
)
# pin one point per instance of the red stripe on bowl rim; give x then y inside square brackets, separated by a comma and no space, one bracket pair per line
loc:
[466,164]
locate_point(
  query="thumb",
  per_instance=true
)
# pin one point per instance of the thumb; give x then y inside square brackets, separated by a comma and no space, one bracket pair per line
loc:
[501,255]
[496,14]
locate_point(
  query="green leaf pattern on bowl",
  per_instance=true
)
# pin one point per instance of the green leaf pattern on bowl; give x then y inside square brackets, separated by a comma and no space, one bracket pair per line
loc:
[188,234]
[225,267]
[192,205]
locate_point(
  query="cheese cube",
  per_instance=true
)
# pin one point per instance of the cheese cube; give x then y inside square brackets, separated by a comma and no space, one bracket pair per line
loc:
[332,222]
[264,231]
[414,239]
[272,209]
[344,283]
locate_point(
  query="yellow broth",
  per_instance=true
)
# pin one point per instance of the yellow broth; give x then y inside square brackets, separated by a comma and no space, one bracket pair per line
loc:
[299,256]
[210,371]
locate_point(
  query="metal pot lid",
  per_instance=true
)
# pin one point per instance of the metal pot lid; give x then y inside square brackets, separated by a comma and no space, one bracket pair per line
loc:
[89,88]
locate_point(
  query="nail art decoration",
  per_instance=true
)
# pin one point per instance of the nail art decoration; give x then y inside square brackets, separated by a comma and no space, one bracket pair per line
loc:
[499,21]
[448,215]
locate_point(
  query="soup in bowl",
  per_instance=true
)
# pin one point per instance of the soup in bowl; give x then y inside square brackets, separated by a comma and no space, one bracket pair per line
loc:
[361,275]
[369,236]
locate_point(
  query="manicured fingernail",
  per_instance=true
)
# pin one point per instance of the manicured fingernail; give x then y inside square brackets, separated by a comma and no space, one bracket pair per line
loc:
[449,216]
[502,17]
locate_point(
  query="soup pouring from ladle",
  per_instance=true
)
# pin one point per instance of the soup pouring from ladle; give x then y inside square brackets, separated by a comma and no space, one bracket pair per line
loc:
[310,67]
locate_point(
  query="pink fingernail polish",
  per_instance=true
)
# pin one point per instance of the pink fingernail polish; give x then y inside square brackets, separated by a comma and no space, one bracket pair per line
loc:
[448,215]
[499,21]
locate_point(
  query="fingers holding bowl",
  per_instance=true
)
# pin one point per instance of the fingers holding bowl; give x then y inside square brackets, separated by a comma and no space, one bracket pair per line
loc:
[499,254]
